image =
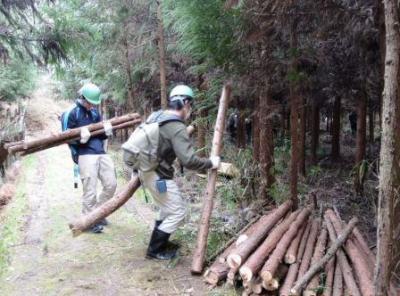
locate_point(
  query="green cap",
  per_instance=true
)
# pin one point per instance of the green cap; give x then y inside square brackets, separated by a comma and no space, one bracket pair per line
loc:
[91,93]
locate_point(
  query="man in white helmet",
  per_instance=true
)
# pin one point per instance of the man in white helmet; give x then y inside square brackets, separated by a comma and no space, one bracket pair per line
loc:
[174,143]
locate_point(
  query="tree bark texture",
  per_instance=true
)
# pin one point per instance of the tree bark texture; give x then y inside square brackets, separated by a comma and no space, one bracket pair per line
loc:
[200,250]
[161,52]
[314,131]
[361,129]
[256,130]
[336,128]
[302,136]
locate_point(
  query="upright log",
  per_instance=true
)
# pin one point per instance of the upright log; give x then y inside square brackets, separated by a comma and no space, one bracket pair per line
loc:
[360,262]
[294,268]
[200,251]
[346,270]
[80,225]
[236,259]
[272,264]
[255,262]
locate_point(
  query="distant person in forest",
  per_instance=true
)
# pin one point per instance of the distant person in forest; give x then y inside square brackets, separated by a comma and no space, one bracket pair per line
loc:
[353,122]
[167,130]
[90,153]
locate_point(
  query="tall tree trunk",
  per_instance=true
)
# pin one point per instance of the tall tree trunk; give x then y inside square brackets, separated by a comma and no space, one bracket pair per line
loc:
[336,128]
[302,137]
[266,143]
[241,127]
[130,101]
[256,130]
[202,132]
[371,126]
[294,110]
[361,129]
[314,131]
[389,178]
[161,52]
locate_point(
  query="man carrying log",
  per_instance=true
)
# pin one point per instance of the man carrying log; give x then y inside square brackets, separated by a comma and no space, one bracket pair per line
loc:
[90,152]
[151,150]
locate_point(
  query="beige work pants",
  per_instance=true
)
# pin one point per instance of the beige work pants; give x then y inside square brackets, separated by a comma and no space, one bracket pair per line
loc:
[172,206]
[91,168]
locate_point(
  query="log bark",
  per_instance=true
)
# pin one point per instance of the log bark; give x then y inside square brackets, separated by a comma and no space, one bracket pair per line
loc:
[337,289]
[279,275]
[237,258]
[320,261]
[330,273]
[336,128]
[302,136]
[200,250]
[346,270]
[294,268]
[272,264]
[71,134]
[388,219]
[314,131]
[110,206]
[312,238]
[256,131]
[360,263]
[161,53]
[361,130]
[311,289]
[290,256]
[255,262]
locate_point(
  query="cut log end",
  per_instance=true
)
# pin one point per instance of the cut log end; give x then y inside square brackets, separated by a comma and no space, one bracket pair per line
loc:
[271,285]
[309,293]
[294,292]
[234,261]
[290,259]
[75,231]
[211,278]
[267,276]
[257,288]
[246,273]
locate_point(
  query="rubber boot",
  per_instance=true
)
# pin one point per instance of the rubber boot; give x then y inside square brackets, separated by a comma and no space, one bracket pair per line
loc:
[170,245]
[158,246]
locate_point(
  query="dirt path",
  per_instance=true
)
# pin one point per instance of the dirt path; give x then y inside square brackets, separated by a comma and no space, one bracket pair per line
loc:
[46,260]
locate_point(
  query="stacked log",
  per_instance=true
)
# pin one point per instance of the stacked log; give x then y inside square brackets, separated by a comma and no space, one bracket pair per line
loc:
[289,254]
[71,135]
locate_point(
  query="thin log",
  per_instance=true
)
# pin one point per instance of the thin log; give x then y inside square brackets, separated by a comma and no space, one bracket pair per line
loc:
[70,134]
[83,223]
[290,256]
[294,268]
[318,262]
[255,262]
[311,289]
[237,258]
[309,250]
[273,284]
[360,262]
[256,286]
[202,235]
[346,270]
[124,125]
[330,272]
[337,289]
[273,262]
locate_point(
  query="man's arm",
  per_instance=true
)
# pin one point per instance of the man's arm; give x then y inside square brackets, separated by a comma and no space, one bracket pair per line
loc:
[185,153]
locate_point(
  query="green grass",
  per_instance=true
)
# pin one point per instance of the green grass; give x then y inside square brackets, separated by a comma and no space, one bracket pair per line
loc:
[12,218]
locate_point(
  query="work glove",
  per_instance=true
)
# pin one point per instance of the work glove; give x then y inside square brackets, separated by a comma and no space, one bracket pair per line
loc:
[108,128]
[85,135]
[216,162]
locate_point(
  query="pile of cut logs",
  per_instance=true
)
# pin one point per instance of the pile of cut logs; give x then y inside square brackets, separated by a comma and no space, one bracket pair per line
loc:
[287,253]
[28,147]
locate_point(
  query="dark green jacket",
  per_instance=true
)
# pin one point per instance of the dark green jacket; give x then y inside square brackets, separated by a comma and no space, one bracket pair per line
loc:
[175,143]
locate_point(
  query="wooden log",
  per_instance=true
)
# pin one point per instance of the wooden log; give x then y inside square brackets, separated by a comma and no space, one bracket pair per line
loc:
[124,125]
[337,289]
[347,272]
[256,286]
[273,262]
[311,289]
[70,134]
[279,275]
[83,223]
[330,273]
[319,261]
[294,268]
[202,235]
[359,261]
[290,256]
[219,270]
[255,262]
[237,258]
[309,250]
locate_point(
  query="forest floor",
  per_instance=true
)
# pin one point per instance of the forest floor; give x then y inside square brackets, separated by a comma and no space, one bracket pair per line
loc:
[38,255]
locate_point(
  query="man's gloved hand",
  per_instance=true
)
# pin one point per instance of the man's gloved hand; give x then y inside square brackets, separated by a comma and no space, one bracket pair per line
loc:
[108,128]
[216,162]
[85,135]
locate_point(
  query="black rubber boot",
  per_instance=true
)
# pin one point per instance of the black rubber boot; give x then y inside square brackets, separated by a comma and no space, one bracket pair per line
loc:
[158,246]
[170,245]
